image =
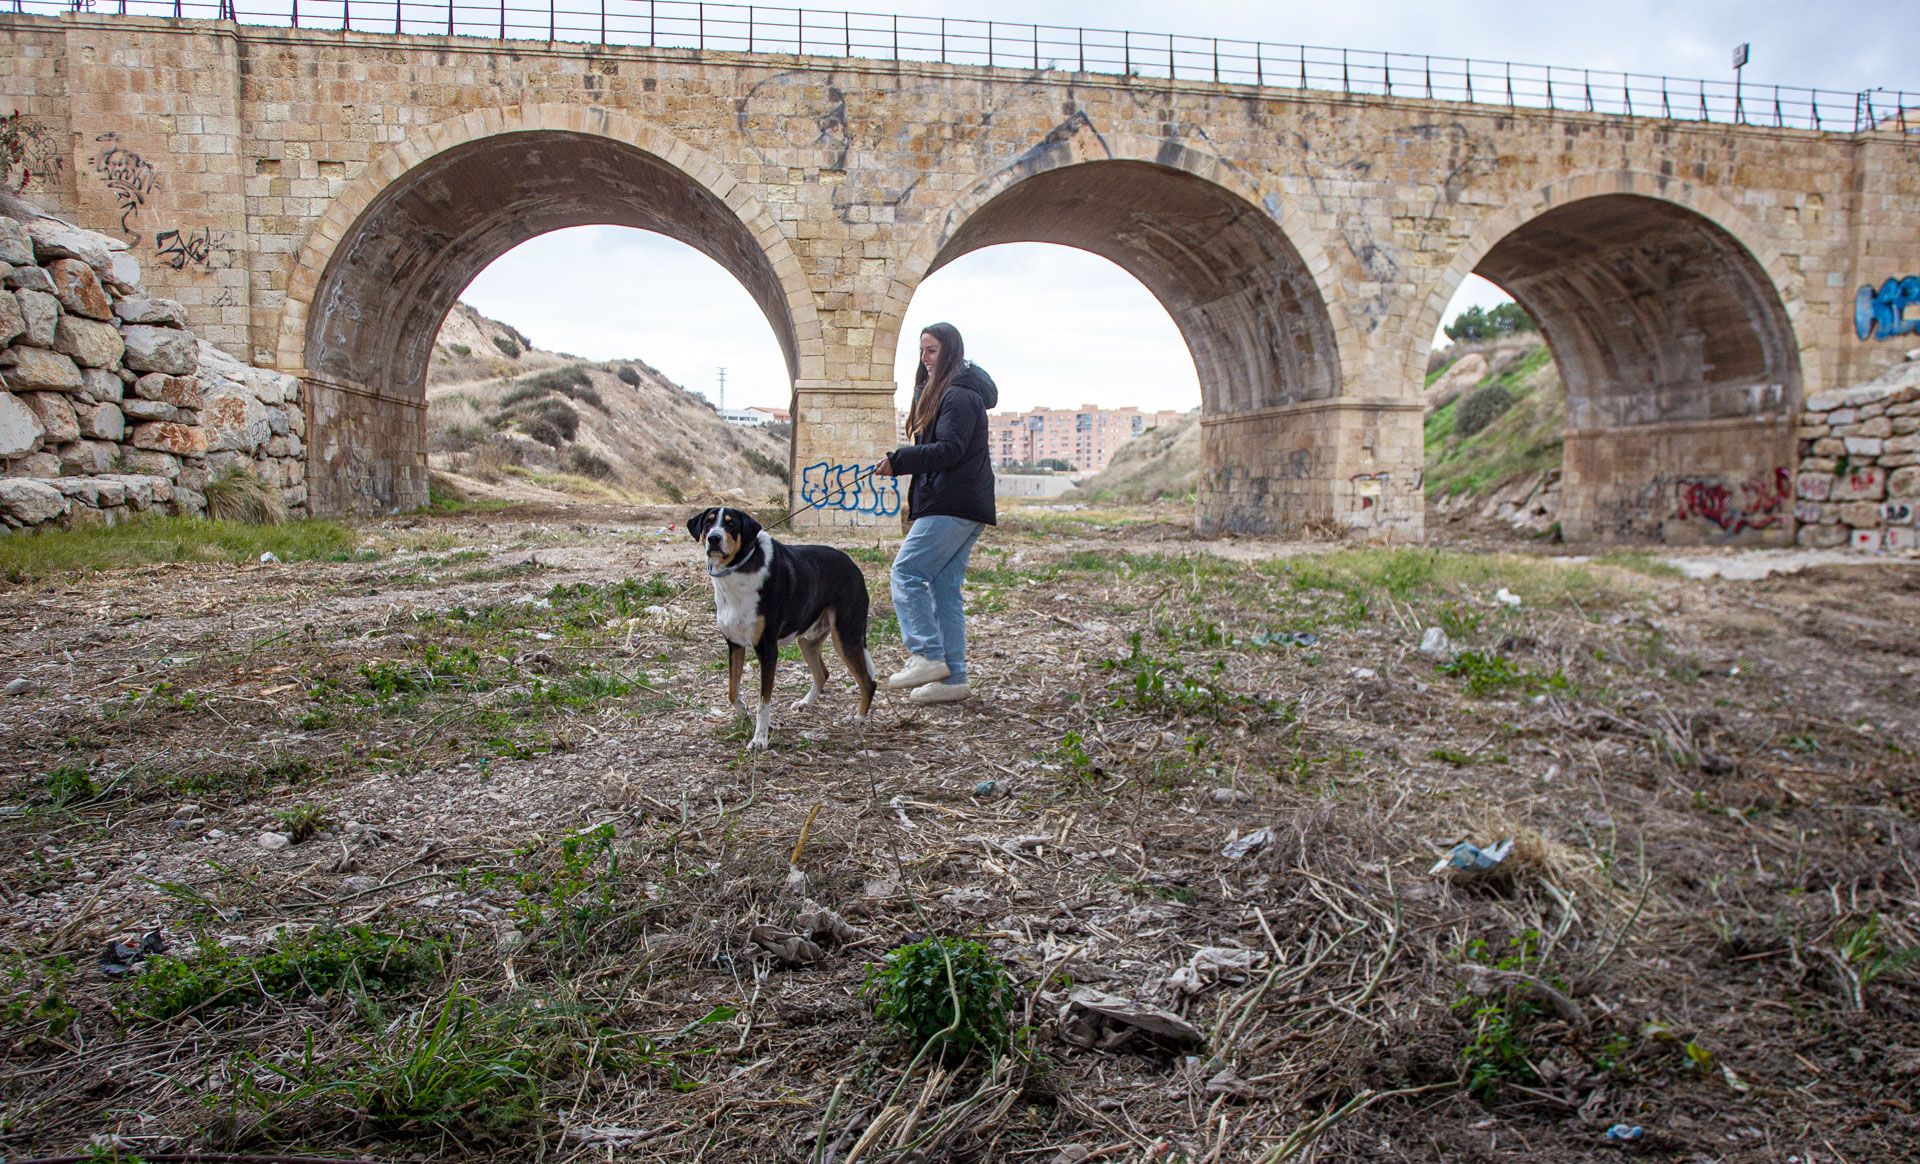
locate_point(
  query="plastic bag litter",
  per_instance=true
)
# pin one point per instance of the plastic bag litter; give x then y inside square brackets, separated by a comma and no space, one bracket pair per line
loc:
[1622,1134]
[1507,598]
[1435,645]
[1239,846]
[1471,858]
[122,955]
[1212,964]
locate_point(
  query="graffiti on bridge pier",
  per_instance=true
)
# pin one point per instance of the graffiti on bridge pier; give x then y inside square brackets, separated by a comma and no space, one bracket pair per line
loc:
[130,177]
[205,248]
[1762,502]
[1882,314]
[849,488]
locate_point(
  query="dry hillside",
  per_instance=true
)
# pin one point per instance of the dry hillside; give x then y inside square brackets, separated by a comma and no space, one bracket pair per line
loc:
[509,421]
[1162,462]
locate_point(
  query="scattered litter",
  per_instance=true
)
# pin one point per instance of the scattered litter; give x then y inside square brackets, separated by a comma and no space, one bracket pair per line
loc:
[1212,964]
[1095,1019]
[274,842]
[1228,1083]
[611,1137]
[969,900]
[790,948]
[122,955]
[17,687]
[1622,1134]
[1436,646]
[899,807]
[12,810]
[826,926]
[1284,639]
[1471,858]
[1507,598]
[1072,1154]
[1365,673]
[270,556]
[986,789]
[1239,846]
[1230,796]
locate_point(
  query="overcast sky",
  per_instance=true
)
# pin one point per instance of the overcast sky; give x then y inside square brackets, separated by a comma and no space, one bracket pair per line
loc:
[1060,327]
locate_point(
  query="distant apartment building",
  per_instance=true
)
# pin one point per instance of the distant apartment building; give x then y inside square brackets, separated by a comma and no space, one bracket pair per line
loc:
[1085,438]
[753,417]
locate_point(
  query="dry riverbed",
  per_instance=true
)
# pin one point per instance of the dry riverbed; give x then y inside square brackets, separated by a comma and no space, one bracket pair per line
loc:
[448,850]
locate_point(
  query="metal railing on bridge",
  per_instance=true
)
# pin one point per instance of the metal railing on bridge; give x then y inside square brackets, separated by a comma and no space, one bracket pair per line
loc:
[751,28]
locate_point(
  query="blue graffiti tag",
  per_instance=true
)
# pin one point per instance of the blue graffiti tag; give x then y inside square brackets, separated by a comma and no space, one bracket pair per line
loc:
[1885,311]
[843,487]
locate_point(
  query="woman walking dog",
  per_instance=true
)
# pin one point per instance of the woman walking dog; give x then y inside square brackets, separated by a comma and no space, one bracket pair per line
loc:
[949,502]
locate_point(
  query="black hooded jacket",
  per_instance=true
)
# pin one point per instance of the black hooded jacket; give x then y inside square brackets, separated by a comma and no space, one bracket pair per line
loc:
[952,474]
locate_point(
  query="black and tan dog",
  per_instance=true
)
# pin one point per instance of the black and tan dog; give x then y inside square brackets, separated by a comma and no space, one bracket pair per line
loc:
[767,594]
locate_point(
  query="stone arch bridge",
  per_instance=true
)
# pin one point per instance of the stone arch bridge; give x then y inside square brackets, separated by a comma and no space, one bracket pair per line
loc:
[319,197]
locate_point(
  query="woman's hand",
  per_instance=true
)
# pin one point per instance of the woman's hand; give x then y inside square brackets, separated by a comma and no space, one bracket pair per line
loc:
[885,467]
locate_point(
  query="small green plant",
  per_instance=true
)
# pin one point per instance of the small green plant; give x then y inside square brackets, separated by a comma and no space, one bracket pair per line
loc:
[1865,952]
[575,897]
[1074,760]
[302,821]
[1163,686]
[507,347]
[1486,673]
[70,785]
[36,995]
[213,976]
[947,993]
[454,1070]
[460,350]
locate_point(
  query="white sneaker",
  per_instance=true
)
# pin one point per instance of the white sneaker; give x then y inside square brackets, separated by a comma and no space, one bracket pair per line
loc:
[940,693]
[919,670]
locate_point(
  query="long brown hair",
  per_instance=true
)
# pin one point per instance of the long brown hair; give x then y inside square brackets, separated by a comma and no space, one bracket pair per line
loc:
[928,389]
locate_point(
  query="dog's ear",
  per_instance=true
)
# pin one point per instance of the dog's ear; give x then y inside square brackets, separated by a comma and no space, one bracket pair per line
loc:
[698,523]
[749,528]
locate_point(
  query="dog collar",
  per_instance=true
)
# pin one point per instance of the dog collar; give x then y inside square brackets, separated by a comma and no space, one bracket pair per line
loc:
[722,572]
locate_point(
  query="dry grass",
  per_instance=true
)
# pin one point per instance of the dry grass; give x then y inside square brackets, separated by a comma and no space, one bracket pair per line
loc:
[1709,887]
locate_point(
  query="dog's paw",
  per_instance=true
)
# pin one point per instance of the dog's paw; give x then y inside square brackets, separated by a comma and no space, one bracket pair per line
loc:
[740,705]
[857,718]
[807,700]
[757,743]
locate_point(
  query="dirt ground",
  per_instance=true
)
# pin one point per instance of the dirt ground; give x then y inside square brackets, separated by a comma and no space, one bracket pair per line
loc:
[454,853]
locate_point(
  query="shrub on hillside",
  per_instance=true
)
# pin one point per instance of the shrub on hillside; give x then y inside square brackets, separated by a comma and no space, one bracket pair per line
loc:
[768,465]
[589,464]
[628,376]
[507,347]
[1481,409]
[551,422]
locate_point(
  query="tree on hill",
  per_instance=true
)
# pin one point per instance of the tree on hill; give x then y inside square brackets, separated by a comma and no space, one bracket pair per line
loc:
[1476,323]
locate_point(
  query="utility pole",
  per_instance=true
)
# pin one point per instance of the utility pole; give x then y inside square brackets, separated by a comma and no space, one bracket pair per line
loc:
[723,389]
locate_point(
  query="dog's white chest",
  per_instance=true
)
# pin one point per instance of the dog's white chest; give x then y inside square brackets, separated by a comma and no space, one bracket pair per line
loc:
[736,606]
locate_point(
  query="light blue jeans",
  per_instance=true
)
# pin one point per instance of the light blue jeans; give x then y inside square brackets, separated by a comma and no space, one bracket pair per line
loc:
[927,573]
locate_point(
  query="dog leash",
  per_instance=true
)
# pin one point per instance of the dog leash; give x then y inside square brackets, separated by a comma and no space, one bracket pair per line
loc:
[824,498]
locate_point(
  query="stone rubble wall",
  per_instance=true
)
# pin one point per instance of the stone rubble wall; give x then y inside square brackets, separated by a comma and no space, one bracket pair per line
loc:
[1859,480]
[109,406]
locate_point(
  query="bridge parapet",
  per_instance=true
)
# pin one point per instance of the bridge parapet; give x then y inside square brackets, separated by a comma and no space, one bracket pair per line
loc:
[998,44]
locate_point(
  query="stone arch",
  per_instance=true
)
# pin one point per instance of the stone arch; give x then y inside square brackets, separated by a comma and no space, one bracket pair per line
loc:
[1241,273]
[387,260]
[1193,228]
[1666,315]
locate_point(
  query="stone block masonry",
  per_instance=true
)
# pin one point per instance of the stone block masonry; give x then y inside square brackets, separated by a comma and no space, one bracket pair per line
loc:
[1858,484]
[315,200]
[112,407]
